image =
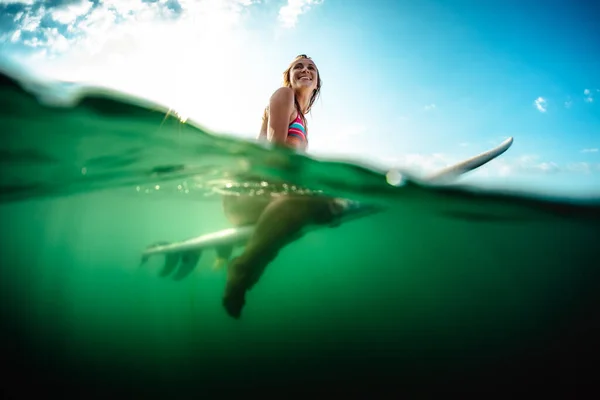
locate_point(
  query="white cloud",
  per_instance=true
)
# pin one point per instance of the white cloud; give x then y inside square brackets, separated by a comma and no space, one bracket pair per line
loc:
[185,54]
[547,167]
[588,96]
[580,167]
[568,103]
[67,14]
[55,40]
[420,163]
[15,36]
[289,13]
[591,150]
[29,21]
[502,167]
[430,107]
[25,2]
[90,24]
[541,104]
[528,163]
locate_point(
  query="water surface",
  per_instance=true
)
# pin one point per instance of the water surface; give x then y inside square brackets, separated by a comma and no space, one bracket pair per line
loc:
[448,288]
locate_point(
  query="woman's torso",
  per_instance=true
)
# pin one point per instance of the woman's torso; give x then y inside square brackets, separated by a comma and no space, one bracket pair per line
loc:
[245,209]
[296,129]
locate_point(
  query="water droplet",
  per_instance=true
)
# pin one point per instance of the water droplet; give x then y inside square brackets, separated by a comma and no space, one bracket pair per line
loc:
[394,178]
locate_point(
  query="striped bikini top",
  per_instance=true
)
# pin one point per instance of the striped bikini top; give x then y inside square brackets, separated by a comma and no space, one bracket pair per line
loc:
[298,129]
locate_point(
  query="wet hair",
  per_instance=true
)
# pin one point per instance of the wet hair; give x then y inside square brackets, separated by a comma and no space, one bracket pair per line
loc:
[287,83]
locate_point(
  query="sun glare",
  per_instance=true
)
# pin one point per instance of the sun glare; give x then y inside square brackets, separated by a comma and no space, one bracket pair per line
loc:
[196,65]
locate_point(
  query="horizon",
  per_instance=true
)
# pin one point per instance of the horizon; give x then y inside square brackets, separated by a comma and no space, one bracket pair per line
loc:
[412,85]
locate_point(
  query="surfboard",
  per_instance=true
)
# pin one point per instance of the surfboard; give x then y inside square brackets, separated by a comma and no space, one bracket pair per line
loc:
[454,171]
[182,257]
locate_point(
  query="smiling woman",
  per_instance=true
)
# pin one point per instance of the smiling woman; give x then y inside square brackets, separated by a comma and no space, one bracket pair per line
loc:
[286,102]
[278,220]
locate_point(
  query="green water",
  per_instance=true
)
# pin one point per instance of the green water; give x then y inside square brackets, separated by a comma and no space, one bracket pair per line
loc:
[448,288]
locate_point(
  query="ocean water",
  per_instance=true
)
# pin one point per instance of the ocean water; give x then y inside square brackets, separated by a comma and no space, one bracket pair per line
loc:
[449,289]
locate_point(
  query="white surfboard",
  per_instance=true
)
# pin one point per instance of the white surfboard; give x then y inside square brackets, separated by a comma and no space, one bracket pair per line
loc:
[454,171]
[182,257]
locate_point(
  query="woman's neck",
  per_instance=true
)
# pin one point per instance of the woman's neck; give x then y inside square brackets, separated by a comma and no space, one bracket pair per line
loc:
[303,99]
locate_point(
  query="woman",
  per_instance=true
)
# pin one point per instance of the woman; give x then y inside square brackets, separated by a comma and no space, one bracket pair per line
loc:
[278,220]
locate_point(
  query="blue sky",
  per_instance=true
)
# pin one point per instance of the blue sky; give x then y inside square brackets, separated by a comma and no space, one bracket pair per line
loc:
[414,84]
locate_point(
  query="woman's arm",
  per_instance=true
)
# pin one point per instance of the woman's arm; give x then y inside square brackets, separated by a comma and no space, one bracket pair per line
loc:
[281,107]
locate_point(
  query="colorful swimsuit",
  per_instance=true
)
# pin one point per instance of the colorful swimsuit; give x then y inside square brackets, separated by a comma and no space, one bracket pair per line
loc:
[297,129]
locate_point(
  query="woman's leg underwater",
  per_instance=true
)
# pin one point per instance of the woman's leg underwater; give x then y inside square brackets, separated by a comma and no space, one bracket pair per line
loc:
[244,210]
[280,223]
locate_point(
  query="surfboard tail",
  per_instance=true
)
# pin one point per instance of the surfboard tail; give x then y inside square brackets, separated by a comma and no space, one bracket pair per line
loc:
[178,265]
[148,252]
[187,263]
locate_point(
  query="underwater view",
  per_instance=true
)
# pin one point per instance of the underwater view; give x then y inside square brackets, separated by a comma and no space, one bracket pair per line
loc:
[447,287]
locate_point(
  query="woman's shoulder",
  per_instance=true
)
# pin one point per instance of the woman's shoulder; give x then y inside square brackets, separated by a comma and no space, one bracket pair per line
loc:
[283,94]
[284,89]
[282,99]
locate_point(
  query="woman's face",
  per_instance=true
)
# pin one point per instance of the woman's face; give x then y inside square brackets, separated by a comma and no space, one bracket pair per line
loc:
[304,74]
